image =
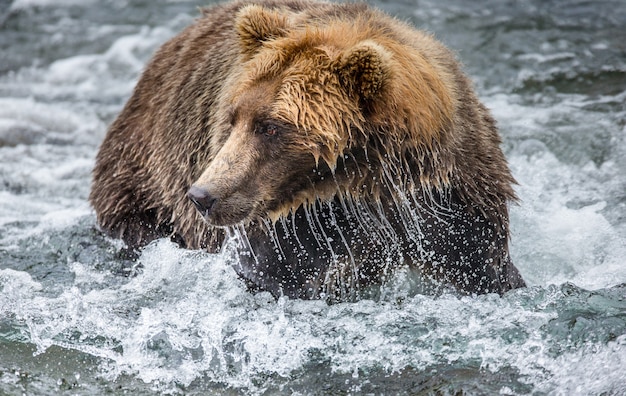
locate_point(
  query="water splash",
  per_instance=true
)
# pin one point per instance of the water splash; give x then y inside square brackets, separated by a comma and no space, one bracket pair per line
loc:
[187,322]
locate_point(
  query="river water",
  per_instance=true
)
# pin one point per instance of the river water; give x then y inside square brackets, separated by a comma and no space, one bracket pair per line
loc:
[76,318]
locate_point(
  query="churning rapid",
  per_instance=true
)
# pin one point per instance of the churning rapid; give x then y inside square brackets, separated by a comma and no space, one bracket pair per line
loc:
[78,317]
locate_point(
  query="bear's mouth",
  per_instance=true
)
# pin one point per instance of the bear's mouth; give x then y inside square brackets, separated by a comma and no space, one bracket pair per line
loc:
[202,200]
[221,211]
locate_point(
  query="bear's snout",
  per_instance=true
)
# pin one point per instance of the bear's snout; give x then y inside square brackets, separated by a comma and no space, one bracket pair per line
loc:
[203,200]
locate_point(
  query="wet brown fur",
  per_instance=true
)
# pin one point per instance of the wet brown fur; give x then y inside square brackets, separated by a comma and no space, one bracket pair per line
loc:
[344,78]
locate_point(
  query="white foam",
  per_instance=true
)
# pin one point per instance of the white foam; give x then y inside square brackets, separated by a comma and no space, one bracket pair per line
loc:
[187,316]
[554,243]
[16,285]
[591,369]
[559,230]
[42,116]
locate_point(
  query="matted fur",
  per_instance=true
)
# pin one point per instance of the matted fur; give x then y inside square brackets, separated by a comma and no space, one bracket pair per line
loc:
[369,109]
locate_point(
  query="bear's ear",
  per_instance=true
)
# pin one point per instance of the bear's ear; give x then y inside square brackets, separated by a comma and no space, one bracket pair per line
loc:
[364,69]
[256,24]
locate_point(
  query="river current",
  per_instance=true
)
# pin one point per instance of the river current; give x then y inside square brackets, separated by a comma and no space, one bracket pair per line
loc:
[76,318]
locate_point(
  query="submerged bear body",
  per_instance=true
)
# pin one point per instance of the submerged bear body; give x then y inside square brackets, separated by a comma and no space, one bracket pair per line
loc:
[336,143]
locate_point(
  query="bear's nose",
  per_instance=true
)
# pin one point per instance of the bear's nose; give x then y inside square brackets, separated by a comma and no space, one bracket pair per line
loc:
[203,200]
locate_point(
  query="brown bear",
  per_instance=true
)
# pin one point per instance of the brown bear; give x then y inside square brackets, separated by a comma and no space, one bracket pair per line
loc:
[333,142]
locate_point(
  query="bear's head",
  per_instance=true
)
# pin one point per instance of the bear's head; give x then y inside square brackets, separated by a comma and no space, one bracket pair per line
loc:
[314,110]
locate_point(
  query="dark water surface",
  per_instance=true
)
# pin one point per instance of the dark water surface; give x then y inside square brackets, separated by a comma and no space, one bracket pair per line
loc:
[72,320]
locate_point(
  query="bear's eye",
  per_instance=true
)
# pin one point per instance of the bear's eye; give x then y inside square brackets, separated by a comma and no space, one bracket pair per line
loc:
[271,130]
[268,129]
